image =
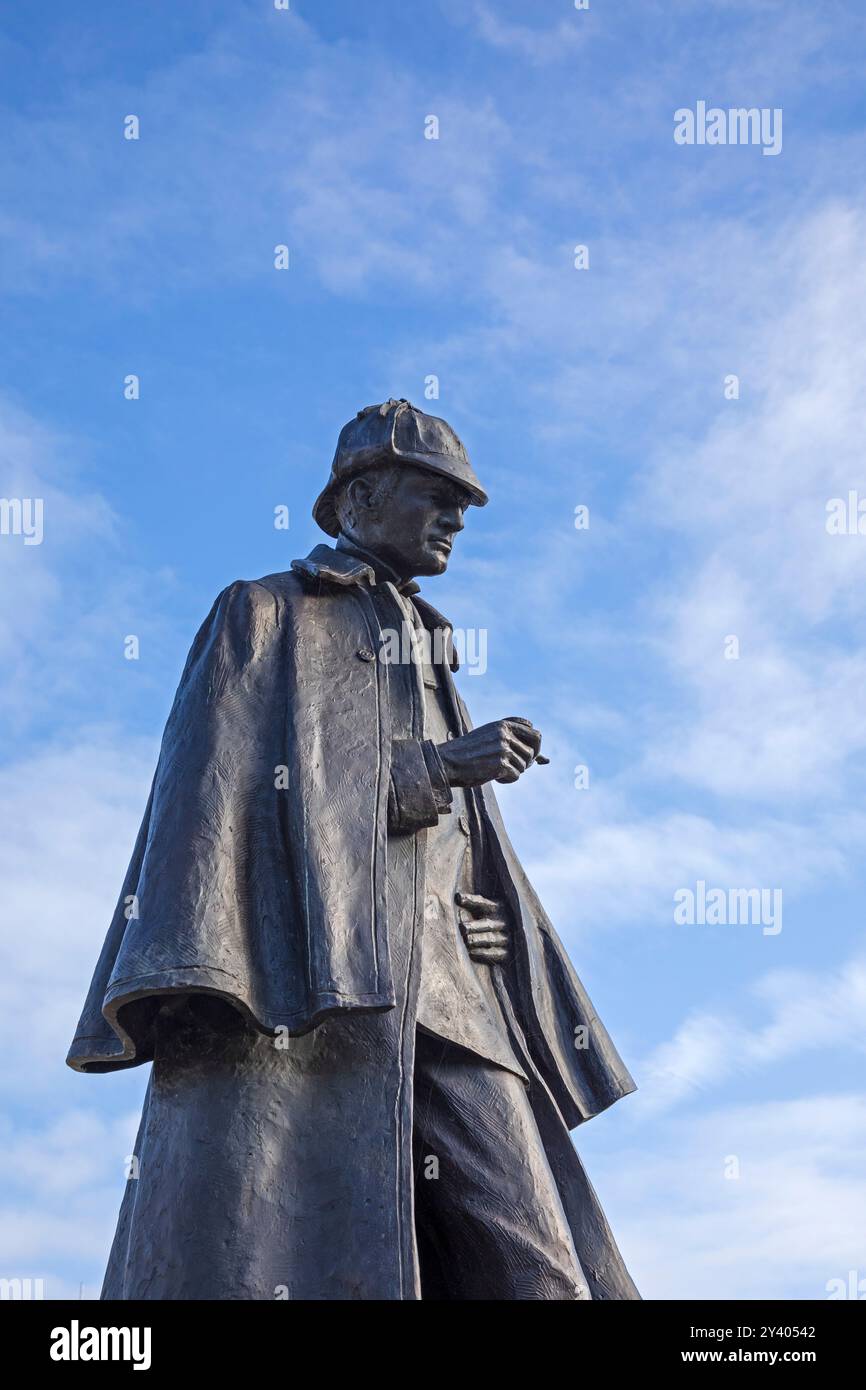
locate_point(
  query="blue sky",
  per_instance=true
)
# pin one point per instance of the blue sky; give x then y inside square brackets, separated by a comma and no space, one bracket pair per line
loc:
[603,387]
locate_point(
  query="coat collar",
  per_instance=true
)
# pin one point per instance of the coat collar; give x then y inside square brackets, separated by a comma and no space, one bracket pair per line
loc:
[335,567]
[340,567]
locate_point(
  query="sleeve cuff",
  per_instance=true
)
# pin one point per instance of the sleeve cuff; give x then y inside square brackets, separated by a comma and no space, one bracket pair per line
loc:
[418,792]
[442,792]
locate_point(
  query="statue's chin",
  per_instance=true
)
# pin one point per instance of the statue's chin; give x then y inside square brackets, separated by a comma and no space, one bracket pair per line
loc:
[434,563]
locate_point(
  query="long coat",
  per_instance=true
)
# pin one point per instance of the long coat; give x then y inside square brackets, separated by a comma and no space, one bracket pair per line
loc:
[274,1155]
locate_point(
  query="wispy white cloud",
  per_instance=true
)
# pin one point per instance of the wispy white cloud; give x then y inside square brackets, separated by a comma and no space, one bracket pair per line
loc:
[75,591]
[748,502]
[36,463]
[537,44]
[70,815]
[624,870]
[63,1182]
[819,1010]
[363,200]
[792,1221]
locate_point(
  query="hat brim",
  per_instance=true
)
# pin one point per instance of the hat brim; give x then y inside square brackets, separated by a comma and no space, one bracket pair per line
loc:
[323,509]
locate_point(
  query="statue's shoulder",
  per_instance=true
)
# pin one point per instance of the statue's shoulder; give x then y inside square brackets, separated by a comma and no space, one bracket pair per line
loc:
[307,579]
[266,603]
[286,586]
[250,611]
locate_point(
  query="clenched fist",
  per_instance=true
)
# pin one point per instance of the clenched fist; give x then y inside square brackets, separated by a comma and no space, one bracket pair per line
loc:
[497,752]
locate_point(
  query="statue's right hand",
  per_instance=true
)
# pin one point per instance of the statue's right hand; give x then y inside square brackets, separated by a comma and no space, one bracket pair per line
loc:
[497,752]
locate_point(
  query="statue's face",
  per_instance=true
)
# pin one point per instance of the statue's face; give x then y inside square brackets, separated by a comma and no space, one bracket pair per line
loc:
[414,527]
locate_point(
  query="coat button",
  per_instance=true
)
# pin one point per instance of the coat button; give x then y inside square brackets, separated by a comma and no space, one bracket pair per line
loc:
[366,654]
[463,824]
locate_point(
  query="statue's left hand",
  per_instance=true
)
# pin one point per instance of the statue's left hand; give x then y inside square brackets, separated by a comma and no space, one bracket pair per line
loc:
[484,928]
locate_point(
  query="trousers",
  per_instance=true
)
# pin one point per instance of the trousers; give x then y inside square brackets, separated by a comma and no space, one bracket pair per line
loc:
[489,1220]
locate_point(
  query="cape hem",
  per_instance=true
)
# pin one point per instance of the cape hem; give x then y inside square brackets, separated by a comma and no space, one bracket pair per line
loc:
[101,1053]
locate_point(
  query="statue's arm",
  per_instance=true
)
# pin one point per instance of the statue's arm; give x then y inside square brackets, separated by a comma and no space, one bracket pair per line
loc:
[423,772]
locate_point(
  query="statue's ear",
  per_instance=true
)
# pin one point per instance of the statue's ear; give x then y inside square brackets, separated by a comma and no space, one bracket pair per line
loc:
[360,495]
[351,502]
[360,491]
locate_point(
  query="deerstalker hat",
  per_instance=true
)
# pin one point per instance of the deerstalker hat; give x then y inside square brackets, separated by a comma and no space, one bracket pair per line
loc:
[395,432]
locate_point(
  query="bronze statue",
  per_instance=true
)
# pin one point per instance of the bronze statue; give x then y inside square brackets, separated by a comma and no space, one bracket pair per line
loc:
[368,1043]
